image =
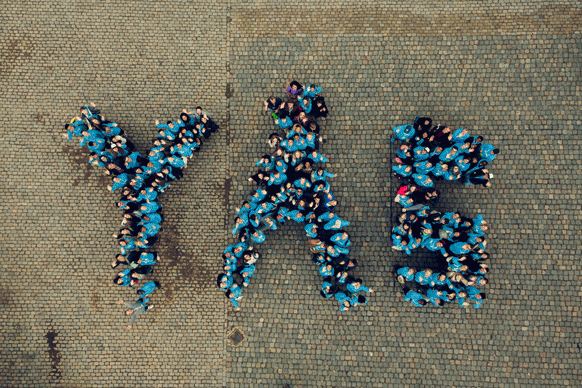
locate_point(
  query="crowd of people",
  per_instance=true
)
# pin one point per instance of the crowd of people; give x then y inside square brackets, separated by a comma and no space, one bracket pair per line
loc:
[436,152]
[292,185]
[141,180]
[429,153]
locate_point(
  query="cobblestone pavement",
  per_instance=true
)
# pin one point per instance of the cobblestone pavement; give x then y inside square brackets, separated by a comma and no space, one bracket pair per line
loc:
[509,71]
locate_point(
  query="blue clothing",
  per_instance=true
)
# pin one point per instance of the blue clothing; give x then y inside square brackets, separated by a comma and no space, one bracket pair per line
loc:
[420,278]
[268,165]
[110,130]
[433,295]
[126,280]
[133,160]
[289,147]
[261,195]
[78,127]
[325,188]
[310,230]
[306,108]
[249,270]
[312,93]
[182,152]
[227,280]
[414,298]
[342,297]
[149,196]
[460,162]
[458,137]
[404,132]
[317,158]
[151,207]
[403,271]
[324,286]
[304,185]
[338,239]
[294,215]
[176,162]
[401,170]
[283,125]
[457,248]
[93,135]
[438,170]
[447,155]
[154,218]
[351,288]
[485,152]
[244,217]
[421,153]
[325,217]
[274,180]
[423,168]
[323,271]
[332,223]
[147,258]
[147,288]
[316,177]
[259,238]
[123,179]
[420,180]
[264,208]
[237,294]
[151,229]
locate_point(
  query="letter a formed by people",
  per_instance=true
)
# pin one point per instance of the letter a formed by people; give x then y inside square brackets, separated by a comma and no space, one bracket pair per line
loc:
[141,179]
[293,185]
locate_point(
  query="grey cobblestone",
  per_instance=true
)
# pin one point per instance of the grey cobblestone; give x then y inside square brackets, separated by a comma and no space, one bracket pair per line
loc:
[509,71]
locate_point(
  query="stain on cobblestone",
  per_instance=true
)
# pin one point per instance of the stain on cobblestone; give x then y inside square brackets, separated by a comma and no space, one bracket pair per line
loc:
[171,237]
[14,51]
[54,355]
[227,132]
[5,296]
[229,90]
[95,298]
[79,158]
[226,193]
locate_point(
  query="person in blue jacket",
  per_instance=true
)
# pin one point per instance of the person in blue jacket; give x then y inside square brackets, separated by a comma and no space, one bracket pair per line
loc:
[305,104]
[403,132]
[414,298]
[356,286]
[405,274]
[345,300]
[246,273]
[147,289]
[435,297]
[224,282]
[326,270]
[488,152]
[119,182]
[312,91]
[317,157]
[284,122]
[327,288]
[234,293]
[75,127]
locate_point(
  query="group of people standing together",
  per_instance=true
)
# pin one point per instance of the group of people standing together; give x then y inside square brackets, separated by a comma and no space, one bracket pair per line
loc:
[141,181]
[291,185]
[430,153]
[458,241]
